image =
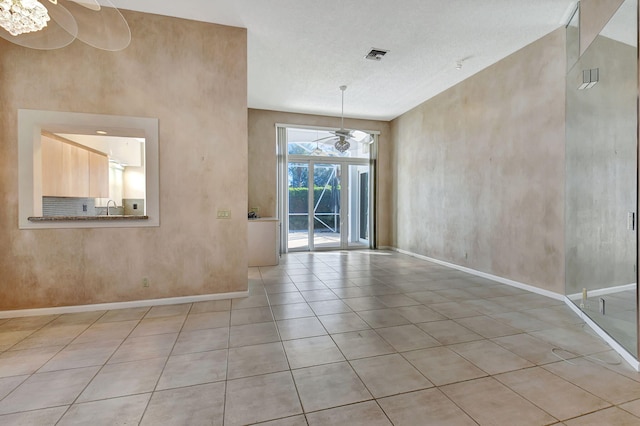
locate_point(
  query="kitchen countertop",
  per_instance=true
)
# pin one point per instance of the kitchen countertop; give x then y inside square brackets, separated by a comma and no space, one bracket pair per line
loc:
[85,218]
[263,219]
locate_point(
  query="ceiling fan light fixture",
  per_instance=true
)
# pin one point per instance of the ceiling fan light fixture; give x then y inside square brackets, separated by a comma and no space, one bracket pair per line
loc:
[342,139]
[342,144]
[23,16]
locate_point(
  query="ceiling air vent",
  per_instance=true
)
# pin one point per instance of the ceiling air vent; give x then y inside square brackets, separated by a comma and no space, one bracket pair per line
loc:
[376,54]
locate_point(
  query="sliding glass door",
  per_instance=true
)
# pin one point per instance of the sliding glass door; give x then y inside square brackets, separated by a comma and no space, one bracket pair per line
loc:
[326,197]
[298,202]
[326,203]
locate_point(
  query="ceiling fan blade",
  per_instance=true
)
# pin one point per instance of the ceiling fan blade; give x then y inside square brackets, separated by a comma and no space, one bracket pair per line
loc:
[360,135]
[361,138]
[324,139]
[368,140]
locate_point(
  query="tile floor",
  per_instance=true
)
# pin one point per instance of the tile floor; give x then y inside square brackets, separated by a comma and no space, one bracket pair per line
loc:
[334,338]
[621,316]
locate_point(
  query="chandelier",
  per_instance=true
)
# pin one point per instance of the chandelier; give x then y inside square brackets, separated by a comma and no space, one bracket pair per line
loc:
[52,24]
[23,16]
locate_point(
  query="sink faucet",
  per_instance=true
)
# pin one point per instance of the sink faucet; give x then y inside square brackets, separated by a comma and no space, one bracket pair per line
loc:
[114,205]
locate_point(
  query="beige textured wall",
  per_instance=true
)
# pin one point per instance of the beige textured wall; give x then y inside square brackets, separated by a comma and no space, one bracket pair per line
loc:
[479,170]
[192,77]
[263,161]
[594,15]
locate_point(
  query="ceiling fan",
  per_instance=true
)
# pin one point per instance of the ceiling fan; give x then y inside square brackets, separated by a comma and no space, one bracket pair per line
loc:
[52,24]
[342,138]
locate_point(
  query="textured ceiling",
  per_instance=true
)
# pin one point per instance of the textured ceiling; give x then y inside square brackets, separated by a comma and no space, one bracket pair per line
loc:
[301,51]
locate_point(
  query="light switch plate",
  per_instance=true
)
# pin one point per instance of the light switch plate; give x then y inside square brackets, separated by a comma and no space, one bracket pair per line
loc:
[224,214]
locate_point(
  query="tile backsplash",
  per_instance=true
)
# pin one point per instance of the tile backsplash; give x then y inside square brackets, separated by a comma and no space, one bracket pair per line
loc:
[68,206]
[74,206]
[133,206]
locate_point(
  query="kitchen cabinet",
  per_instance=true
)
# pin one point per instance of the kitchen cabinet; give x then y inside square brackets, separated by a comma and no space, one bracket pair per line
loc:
[52,184]
[98,175]
[70,170]
[75,171]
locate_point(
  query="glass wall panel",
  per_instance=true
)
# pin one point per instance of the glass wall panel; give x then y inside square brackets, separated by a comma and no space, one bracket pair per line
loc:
[573,38]
[601,178]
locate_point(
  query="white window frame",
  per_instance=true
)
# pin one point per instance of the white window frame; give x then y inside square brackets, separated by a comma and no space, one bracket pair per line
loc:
[283,199]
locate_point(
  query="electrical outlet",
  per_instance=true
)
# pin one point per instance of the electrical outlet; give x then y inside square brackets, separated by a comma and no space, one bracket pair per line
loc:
[145,282]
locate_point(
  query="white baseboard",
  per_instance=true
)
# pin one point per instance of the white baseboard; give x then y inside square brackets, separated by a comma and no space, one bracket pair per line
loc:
[496,278]
[120,305]
[630,359]
[603,291]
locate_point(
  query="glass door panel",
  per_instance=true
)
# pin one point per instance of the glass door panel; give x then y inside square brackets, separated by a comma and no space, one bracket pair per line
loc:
[298,215]
[326,205]
[363,214]
[358,205]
